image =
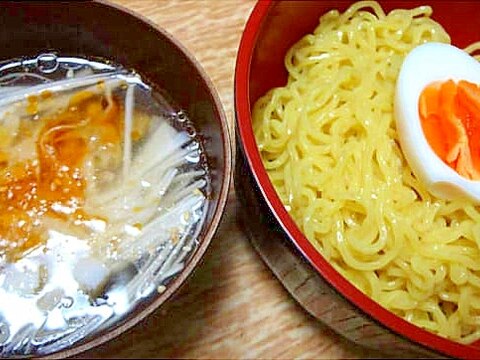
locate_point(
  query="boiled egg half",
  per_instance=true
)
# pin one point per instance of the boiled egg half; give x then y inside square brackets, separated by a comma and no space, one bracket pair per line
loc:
[437,110]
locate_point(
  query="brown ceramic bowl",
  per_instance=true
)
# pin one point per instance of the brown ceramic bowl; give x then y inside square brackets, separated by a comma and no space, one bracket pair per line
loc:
[102,30]
[273,27]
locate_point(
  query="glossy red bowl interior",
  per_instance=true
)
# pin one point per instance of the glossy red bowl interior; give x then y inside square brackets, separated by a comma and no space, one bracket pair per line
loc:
[272,29]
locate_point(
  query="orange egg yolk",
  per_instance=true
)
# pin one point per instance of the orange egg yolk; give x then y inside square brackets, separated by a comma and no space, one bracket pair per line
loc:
[53,184]
[450,117]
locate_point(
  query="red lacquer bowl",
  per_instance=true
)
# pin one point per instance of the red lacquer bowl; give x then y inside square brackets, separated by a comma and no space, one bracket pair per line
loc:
[272,29]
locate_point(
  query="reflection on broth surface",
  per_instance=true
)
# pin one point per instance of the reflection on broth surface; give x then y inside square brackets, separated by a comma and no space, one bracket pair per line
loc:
[103,193]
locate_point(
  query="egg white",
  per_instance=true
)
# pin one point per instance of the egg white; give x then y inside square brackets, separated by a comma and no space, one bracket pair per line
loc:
[424,65]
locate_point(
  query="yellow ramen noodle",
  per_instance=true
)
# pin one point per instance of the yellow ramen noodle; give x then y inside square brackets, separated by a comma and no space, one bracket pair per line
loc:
[329,144]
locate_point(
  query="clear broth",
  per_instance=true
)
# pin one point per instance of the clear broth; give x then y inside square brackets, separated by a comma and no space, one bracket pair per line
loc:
[144,201]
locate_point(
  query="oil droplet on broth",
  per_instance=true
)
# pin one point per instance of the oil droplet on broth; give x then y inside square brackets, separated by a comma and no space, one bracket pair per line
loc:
[101,187]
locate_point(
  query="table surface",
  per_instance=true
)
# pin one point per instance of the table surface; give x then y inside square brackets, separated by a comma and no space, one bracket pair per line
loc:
[233,306]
